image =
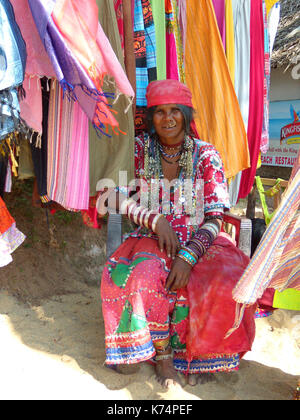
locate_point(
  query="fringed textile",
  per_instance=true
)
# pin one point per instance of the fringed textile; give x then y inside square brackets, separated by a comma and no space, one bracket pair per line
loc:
[81,55]
[276,262]
[218,116]
[68,158]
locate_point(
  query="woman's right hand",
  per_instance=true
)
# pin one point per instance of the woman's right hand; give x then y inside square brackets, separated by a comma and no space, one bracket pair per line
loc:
[167,238]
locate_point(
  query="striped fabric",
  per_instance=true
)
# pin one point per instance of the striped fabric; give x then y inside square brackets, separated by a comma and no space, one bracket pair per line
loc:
[68,152]
[276,262]
[218,116]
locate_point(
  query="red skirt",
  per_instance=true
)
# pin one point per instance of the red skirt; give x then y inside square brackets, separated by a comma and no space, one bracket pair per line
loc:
[138,311]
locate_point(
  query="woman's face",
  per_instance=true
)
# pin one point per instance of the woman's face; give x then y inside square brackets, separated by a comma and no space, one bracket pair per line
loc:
[169,124]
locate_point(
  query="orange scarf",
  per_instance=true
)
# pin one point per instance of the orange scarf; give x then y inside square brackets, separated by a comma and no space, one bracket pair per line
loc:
[218,116]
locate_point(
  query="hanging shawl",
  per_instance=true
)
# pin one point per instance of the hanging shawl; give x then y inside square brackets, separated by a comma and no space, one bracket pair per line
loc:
[12,68]
[276,262]
[218,115]
[256,98]
[81,55]
[145,55]
[38,65]
[174,42]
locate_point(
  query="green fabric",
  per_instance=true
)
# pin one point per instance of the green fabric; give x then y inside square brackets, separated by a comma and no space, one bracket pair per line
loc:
[108,156]
[129,321]
[121,272]
[158,11]
[262,194]
[180,313]
[288,299]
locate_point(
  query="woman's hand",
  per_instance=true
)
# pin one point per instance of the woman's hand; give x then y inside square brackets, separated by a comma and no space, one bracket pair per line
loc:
[179,275]
[167,238]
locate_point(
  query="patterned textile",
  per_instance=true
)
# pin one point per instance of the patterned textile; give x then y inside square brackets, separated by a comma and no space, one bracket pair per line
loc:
[68,152]
[38,65]
[80,62]
[256,101]
[218,115]
[10,237]
[12,68]
[276,261]
[159,18]
[118,4]
[110,156]
[145,46]
[264,145]
[174,58]
[138,311]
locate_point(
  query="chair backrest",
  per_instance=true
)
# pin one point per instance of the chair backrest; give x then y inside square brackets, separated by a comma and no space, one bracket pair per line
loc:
[242,232]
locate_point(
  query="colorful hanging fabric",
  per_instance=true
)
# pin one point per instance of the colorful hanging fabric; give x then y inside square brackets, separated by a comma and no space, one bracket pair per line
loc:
[182,21]
[12,69]
[81,55]
[174,49]
[38,65]
[241,21]
[256,101]
[219,7]
[145,54]
[68,154]
[270,4]
[230,47]
[108,157]
[10,236]
[218,115]
[273,21]
[264,145]
[158,10]
[118,4]
[276,262]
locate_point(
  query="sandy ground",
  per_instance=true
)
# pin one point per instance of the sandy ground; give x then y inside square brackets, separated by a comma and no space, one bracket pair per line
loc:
[52,332]
[56,351]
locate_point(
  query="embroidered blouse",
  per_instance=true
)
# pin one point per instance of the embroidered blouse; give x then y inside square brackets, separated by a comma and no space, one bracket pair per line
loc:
[183,202]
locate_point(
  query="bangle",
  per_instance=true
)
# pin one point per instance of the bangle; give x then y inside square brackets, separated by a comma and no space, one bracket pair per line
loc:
[154,222]
[187,256]
[190,251]
[145,222]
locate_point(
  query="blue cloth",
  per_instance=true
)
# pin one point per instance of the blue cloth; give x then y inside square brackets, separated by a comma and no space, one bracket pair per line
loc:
[12,48]
[12,69]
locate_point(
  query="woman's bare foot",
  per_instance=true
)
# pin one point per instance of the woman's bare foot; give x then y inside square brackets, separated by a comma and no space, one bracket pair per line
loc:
[200,378]
[166,374]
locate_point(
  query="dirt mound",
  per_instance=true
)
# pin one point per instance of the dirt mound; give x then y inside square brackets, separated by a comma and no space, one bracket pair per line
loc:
[60,252]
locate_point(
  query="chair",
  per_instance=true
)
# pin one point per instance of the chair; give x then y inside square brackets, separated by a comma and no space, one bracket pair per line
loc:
[241,232]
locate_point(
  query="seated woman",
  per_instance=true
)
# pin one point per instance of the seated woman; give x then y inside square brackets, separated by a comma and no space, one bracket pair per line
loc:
[167,290]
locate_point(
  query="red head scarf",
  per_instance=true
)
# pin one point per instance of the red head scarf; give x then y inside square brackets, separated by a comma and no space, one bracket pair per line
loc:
[162,92]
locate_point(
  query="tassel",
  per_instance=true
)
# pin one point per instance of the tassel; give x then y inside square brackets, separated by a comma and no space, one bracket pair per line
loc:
[239,313]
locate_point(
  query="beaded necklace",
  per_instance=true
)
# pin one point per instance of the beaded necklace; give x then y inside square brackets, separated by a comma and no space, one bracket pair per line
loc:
[153,169]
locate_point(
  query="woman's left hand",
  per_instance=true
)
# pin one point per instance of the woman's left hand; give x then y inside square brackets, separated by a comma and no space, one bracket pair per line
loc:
[179,275]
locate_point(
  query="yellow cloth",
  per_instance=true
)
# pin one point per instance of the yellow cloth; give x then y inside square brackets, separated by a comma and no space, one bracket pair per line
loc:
[218,116]
[230,45]
[270,4]
[288,299]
